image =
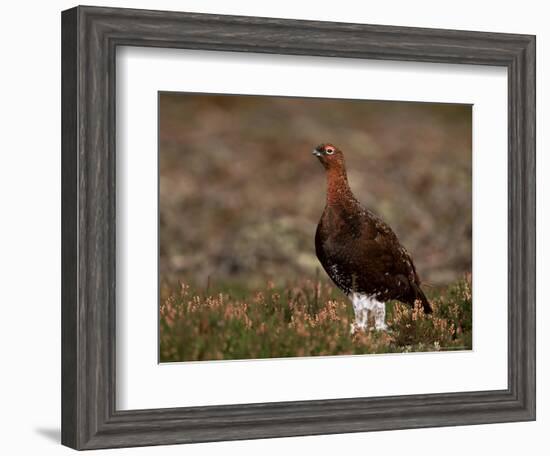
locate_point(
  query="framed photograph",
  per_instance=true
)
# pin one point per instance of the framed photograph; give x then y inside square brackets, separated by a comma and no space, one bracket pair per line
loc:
[279,228]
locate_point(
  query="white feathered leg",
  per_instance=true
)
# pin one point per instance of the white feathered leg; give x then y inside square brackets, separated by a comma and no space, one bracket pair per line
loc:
[362,305]
[379,310]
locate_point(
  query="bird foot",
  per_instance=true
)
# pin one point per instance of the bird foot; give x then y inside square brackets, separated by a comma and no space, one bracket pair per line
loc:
[381,327]
[356,327]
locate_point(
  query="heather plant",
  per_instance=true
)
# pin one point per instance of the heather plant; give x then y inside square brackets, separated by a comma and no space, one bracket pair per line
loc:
[309,318]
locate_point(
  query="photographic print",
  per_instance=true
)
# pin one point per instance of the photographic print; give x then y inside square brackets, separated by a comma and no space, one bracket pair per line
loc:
[235,233]
[295,227]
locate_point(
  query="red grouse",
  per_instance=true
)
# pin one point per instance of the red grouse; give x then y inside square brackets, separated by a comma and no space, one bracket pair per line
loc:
[359,252]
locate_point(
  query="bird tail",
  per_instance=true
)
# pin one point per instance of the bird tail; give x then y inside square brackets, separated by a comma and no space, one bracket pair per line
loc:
[422,297]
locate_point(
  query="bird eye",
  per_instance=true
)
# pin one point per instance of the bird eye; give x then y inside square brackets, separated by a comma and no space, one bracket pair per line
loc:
[329,151]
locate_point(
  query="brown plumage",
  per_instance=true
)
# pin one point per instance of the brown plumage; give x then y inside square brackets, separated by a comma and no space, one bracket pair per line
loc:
[359,252]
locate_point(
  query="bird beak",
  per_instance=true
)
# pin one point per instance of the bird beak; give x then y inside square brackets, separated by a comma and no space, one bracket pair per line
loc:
[316,153]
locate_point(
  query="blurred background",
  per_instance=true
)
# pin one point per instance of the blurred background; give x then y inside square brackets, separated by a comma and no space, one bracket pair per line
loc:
[241,193]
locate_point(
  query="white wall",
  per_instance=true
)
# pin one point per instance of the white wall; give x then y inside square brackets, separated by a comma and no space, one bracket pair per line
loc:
[30,226]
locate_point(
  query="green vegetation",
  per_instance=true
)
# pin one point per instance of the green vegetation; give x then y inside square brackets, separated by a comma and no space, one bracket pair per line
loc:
[305,319]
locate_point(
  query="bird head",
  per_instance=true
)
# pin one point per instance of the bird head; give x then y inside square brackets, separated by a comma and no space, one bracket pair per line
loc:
[329,155]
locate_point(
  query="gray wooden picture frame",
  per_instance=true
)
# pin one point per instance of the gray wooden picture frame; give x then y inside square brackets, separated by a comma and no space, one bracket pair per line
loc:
[90,36]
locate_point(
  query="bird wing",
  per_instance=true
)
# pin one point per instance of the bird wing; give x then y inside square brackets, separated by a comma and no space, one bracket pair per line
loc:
[362,253]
